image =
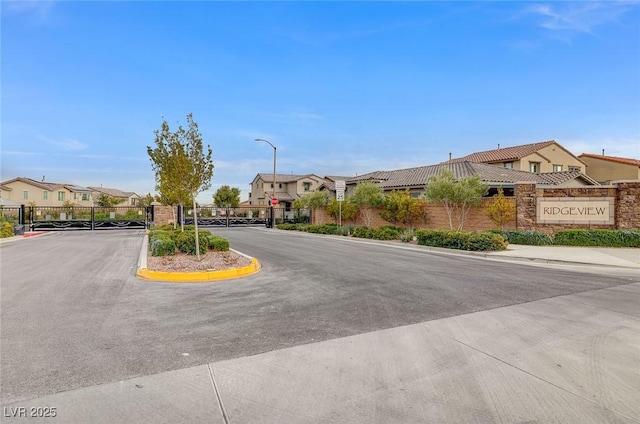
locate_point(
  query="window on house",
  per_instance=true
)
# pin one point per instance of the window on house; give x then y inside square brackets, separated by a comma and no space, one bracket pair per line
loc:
[306,186]
[508,165]
[557,168]
[25,194]
[534,167]
[271,185]
[86,196]
[45,195]
[575,168]
[75,196]
[61,196]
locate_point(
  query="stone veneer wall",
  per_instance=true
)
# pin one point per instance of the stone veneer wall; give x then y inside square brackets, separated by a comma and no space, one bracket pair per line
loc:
[625,193]
[163,214]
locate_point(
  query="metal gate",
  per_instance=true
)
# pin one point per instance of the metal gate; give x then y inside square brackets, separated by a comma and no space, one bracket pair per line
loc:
[244,216]
[52,218]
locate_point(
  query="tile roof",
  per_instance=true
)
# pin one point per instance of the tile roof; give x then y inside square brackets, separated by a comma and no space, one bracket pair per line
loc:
[627,161]
[504,153]
[46,185]
[113,191]
[283,178]
[419,176]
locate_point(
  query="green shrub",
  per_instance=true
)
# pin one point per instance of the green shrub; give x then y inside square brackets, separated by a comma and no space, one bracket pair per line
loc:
[461,240]
[291,227]
[218,243]
[323,229]
[6,230]
[529,238]
[363,232]
[186,242]
[602,238]
[162,246]
[388,233]
[407,235]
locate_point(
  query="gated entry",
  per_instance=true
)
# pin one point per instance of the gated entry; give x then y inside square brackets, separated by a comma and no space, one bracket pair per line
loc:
[80,217]
[243,216]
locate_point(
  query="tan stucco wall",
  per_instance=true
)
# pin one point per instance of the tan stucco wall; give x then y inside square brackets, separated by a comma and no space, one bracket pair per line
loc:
[549,156]
[604,170]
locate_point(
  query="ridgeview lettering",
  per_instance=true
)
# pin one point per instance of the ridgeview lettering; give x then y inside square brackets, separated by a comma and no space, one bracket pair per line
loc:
[574,210]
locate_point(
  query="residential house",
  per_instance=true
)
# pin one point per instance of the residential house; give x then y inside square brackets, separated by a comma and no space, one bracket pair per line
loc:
[605,169]
[415,179]
[26,191]
[125,198]
[545,156]
[288,188]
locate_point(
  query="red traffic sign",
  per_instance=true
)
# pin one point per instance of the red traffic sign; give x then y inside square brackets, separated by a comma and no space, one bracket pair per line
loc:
[274,201]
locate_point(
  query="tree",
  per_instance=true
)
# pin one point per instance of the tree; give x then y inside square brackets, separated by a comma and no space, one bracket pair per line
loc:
[400,207]
[181,165]
[457,197]
[147,200]
[349,210]
[106,200]
[501,210]
[227,197]
[314,200]
[367,196]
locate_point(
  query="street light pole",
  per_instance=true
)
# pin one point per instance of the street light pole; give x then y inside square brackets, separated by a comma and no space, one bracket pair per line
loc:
[273,215]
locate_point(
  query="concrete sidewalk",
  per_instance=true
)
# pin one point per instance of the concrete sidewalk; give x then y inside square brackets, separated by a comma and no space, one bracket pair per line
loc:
[603,256]
[567,359]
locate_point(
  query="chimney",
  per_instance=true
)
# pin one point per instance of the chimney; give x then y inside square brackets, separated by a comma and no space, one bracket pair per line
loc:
[498,146]
[602,152]
[449,156]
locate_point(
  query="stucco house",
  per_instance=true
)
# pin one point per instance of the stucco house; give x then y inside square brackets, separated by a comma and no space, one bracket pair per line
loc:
[415,179]
[288,188]
[545,156]
[125,198]
[26,191]
[605,169]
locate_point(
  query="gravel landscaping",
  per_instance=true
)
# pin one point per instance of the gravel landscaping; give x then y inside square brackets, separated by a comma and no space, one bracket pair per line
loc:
[212,260]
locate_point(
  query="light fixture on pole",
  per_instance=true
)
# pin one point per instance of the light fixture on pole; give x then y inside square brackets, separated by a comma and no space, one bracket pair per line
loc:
[273,215]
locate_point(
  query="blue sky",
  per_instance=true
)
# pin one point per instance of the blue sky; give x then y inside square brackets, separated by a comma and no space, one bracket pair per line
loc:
[341,88]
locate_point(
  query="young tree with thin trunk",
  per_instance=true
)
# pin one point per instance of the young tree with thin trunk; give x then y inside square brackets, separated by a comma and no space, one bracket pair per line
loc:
[456,196]
[502,210]
[367,196]
[314,200]
[182,166]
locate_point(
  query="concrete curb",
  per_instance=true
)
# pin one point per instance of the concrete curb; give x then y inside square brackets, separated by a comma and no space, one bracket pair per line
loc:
[24,236]
[196,276]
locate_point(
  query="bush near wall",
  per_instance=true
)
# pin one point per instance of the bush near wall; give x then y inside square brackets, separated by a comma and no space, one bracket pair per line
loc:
[529,238]
[461,240]
[601,238]
[383,233]
[593,238]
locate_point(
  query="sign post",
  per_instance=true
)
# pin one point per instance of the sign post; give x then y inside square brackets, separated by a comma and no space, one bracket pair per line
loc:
[340,188]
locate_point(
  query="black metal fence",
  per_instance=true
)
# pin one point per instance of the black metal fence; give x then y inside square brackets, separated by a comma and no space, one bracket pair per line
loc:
[243,216]
[78,217]
[34,218]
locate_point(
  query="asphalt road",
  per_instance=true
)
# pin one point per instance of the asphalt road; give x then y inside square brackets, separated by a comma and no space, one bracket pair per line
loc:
[73,314]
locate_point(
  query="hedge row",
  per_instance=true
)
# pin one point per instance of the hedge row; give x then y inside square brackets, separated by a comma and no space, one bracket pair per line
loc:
[165,240]
[461,240]
[593,238]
